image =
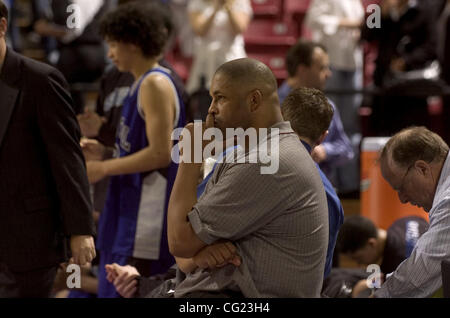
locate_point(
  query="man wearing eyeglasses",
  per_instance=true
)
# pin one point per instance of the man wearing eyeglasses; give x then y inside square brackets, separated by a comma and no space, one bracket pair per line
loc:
[415,162]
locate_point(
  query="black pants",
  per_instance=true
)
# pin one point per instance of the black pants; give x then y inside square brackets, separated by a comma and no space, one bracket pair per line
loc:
[31,284]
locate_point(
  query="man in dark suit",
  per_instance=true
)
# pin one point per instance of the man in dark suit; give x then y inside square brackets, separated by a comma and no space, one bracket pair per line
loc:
[44,192]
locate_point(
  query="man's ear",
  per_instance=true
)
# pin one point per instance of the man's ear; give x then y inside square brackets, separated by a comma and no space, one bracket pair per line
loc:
[3,27]
[254,99]
[372,241]
[422,167]
[322,137]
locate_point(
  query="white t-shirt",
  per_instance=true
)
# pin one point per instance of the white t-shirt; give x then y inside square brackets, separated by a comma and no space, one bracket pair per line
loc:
[221,44]
[342,43]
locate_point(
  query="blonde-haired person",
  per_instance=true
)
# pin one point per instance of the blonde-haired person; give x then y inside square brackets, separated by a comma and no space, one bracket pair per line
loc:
[218,26]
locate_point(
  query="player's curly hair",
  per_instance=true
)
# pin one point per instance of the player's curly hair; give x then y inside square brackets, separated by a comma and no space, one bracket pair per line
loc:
[138,24]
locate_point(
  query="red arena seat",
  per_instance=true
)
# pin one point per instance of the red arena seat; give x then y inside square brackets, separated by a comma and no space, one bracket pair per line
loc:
[293,7]
[274,57]
[267,7]
[271,32]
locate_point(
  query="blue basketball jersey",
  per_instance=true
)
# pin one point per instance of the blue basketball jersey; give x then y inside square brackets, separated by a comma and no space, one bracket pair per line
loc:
[134,220]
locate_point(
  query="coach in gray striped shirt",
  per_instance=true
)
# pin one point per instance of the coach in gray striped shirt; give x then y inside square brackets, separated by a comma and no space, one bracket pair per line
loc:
[415,162]
[278,222]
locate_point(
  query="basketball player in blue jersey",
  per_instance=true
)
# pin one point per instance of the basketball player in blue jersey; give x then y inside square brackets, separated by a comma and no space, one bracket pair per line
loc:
[132,226]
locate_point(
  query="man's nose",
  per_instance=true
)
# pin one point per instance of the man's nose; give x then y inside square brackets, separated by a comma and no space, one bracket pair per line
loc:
[212,110]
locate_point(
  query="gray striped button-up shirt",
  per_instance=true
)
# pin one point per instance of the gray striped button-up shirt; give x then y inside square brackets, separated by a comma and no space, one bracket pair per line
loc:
[279,223]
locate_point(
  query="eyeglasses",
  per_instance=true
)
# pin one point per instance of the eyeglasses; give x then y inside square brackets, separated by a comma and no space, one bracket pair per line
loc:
[400,188]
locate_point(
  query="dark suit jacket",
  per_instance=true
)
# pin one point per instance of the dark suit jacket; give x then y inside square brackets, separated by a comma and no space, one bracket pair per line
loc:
[44,191]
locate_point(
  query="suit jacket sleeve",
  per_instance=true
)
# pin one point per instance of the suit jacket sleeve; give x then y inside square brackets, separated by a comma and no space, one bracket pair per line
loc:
[61,134]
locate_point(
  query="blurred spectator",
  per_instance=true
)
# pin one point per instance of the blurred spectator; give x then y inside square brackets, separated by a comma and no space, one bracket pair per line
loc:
[308,66]
[40,10]
[336,25]
[219,25]
[406,42]
[181,19]
[81,54]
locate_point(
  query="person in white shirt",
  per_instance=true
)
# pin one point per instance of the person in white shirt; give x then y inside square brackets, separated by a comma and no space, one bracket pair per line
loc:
[415,162]
[218,26]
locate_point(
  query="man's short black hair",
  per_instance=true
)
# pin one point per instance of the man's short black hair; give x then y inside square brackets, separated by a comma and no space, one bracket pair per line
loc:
[301,53]
[354,233]
[3,10]
[139,24]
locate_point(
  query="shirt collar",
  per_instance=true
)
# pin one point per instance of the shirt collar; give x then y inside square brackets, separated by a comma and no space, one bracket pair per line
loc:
[284,127]
[443,183]
[307,146]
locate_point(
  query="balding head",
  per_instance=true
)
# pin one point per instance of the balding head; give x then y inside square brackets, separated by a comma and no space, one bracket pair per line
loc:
[249,73]
[244,95]
[411,162]
[412,144]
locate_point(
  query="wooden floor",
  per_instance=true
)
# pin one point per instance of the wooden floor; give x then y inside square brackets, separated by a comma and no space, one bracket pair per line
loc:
[351,206]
